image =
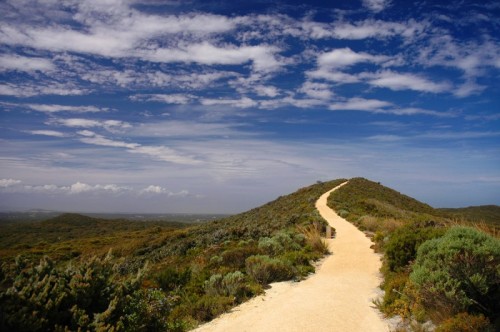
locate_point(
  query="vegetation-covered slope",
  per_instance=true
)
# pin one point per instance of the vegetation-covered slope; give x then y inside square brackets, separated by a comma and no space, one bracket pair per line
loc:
[70,235]
[432,268]
[489,214]
[192,274]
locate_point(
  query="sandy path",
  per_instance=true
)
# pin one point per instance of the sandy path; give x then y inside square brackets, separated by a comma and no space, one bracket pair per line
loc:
[336,298]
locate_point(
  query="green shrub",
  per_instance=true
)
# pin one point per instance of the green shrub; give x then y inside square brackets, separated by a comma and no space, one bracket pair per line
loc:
[232,284]
[235,257]
[281,242]
[460,272]
[171,279]
[265,270]
[401,248]
[90,295]
[208,307]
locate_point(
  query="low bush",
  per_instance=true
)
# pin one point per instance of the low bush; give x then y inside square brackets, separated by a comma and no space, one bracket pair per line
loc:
[402,245]
[208,307]
[172,279]
[90,295]
[459,273]
[265,269]
[280,243]
[232,284]
[465,322]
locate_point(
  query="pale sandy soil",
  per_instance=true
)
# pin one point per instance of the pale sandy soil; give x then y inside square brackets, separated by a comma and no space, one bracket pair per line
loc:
[338,297]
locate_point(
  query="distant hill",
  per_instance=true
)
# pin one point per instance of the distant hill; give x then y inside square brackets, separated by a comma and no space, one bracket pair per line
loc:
[485,213]
[71,232]
[362,197]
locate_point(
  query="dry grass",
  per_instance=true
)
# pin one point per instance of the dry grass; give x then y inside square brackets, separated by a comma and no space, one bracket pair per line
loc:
[479,225]
[313,238]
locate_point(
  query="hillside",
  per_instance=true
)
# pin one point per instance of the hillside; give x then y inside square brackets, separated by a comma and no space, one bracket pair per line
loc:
[70,235]
[167,276]
[364,197]
[432,264]
[489,214]
[202,270]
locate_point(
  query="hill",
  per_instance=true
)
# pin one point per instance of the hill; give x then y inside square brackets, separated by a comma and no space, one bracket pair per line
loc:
[69,235]
[431,264]
[162,276]
[489,214]
[195,272]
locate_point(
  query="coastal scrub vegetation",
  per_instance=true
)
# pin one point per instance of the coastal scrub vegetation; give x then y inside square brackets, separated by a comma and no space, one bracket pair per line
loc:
[75,272]
[438,265]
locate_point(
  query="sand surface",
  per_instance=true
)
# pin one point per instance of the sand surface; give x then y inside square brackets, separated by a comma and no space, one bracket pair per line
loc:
[338,297]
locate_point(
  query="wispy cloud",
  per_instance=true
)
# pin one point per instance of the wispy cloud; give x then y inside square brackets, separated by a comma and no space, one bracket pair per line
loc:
[31,89]
[158,190]
[360,104]
[110,125]
[81,188]
[180,99]
[345,57]
[376,5]
[51,133]
[52,108]
[162,153]
[25,64]
[405,81]
[243,102]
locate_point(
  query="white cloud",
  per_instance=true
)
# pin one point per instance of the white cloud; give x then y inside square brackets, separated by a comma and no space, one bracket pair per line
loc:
[382,107]
[164,153]
[472,58]
[13,186]
[4,183]
[334,76]
[360,104]
[262,56]
[109,125]
[291,100]
[468,88]
[266,91]
[158,190]
[52,108]
[180,99]
[398,81]
[187,129]
[376,5]
[25,64]
[377,29]
[153,190]
[243,102]
[79,188]
[30,90]
[316,90]
[95,139]
[345,57]
[51,133]
[156,152]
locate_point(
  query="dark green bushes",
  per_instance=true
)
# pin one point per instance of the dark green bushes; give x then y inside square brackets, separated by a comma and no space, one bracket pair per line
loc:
[401,247]
[459,272]
[171,279]
[88,296]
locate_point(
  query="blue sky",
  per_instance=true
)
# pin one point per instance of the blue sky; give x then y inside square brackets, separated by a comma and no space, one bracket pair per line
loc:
[220,106]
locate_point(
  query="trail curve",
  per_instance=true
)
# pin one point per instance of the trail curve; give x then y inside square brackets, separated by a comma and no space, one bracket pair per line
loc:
[338,297]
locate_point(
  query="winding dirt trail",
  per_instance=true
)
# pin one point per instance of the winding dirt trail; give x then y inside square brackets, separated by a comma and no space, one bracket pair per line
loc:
[338,297]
